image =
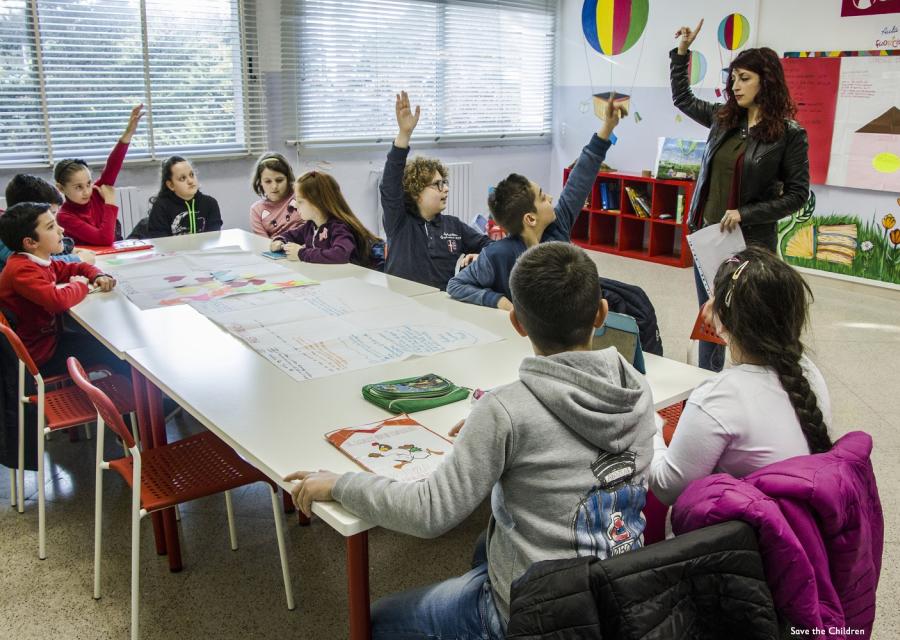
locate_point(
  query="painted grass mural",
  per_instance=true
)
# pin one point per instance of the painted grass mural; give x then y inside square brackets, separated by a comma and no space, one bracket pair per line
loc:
[842,243]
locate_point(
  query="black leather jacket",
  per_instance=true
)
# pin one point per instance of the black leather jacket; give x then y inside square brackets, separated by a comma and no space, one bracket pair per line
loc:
[775,179]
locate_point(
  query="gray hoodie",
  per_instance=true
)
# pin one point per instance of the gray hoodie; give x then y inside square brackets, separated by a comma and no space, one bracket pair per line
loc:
[564,453]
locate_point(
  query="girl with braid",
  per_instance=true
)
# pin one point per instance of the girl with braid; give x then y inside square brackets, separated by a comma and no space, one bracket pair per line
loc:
[772,404]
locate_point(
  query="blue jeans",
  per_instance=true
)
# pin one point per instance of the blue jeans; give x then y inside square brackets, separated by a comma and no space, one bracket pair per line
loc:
[457,609]
[712,356]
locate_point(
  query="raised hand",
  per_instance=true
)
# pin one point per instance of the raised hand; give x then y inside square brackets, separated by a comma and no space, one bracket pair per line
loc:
[687,37]
[406,119]
[136,114]
[610,115]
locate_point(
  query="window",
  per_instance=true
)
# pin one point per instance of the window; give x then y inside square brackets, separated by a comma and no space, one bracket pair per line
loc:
[480,69]
[71,70]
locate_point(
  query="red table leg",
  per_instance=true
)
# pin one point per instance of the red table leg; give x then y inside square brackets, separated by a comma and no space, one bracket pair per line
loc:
[158,429]
[138,384]
[358,586]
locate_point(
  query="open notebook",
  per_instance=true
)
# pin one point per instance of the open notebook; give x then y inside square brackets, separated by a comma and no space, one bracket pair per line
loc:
[399,448]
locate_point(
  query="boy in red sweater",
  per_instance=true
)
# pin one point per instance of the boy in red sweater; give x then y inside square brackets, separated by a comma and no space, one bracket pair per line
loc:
[35,291]
[90,212]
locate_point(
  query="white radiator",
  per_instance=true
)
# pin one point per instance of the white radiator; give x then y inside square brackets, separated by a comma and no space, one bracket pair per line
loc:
[133,205]
[459,202]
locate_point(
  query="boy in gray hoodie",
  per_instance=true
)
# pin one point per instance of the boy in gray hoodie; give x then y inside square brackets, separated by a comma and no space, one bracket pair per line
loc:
[564,453]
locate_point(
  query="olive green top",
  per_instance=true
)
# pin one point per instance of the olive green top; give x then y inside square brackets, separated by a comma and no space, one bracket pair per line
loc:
[721,177]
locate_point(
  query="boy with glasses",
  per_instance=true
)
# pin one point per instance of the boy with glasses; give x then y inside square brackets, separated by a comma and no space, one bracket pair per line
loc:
[424,244]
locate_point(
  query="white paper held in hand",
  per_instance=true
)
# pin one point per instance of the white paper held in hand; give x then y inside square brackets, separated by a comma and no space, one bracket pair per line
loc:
[711,247]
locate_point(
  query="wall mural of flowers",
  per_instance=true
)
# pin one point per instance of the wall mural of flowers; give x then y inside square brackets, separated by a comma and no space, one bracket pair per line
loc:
[843,243]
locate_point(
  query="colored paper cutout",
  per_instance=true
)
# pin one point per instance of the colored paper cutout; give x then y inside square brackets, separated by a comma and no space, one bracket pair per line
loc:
[734,31]
[612,27]
[696,67]
[886,162]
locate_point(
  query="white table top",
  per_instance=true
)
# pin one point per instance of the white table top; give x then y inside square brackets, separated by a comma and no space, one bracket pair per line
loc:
[120,325]
[278,423]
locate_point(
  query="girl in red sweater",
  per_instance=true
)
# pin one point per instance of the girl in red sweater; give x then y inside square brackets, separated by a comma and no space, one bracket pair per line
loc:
[89,212]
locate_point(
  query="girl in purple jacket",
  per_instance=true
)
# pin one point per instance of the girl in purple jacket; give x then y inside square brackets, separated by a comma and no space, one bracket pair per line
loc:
[331,234]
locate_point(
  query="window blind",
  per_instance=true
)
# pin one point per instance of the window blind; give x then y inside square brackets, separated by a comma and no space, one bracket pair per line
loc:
[88,62]
[480,69]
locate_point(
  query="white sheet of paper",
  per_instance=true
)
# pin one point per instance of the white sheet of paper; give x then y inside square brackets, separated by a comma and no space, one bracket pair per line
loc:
[711,248]
[332,298]
[320,347]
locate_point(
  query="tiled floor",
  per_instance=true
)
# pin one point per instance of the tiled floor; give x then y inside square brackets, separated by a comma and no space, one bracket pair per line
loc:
[224,594]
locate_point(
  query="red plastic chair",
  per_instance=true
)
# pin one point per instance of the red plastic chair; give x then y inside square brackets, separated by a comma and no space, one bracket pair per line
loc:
[166,476]
[655,511]
[61,408]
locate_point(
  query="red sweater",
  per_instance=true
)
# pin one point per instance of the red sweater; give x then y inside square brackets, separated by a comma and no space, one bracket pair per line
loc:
[29,290]
[94,223]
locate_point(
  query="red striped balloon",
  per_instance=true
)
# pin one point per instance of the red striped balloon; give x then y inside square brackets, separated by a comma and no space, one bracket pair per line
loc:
[614,26]
[733,31]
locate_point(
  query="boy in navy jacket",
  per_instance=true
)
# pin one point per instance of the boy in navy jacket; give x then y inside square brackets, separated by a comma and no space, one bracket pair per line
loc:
[527,214]
[423,244]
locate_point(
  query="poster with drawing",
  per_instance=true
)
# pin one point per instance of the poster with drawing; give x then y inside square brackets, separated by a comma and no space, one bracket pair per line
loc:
[849,103]
[399,448]
[865,148]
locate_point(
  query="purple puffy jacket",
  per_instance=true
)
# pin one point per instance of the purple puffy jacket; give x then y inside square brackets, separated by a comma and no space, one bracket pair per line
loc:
[820,528]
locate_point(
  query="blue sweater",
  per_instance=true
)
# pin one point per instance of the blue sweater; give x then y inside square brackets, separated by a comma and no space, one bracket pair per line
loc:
[486,280]
[426,252]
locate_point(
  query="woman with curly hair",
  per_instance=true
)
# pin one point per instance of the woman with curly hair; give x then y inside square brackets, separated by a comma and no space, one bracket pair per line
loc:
[772,405]
[423,244]
[756,166]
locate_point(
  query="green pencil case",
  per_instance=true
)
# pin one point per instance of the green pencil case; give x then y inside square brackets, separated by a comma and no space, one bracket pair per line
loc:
[409,395]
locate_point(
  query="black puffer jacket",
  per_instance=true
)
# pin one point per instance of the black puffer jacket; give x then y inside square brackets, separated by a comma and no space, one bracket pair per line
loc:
[708,584]
[775,178]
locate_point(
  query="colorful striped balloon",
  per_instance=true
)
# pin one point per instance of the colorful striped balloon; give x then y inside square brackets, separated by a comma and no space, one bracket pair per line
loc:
[696,67]
[614,26]
[733,31]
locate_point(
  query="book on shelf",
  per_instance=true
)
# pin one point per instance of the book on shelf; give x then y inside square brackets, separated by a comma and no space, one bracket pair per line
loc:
[615,197]
[604,195]
[638,203]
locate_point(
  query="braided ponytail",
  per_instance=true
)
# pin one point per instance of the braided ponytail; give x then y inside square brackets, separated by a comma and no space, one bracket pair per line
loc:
[763,304]
[787,365]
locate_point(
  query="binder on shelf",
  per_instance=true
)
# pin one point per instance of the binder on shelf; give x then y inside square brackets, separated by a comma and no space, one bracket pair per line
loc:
[604,195]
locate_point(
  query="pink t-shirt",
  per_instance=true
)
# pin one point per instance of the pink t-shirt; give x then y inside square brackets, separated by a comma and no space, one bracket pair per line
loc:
[271,219]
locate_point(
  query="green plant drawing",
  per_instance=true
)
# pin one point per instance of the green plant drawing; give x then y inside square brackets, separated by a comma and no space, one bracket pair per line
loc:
[877,257]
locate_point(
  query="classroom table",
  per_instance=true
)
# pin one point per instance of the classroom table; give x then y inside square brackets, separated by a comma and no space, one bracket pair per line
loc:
[119,325]
[277,423]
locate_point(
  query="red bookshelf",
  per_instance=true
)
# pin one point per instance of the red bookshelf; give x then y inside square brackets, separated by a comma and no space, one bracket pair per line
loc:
[622,230]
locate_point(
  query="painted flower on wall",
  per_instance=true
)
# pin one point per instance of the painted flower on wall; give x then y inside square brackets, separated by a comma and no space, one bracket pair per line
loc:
[895,237]
[866,246]
[888,221]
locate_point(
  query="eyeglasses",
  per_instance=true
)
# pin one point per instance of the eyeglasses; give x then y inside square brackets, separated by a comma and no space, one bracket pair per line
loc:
[734,276]
[440,185]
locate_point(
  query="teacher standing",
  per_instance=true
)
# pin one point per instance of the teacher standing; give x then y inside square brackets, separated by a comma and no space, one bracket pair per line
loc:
[756,166]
